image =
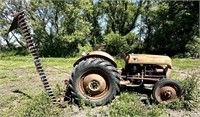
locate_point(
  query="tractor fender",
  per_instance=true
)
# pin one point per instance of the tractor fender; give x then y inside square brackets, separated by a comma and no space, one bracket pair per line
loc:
[97,54]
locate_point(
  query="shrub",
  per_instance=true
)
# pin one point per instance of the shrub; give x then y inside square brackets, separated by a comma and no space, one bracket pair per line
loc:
[84,49]
[117,44]
[193,47]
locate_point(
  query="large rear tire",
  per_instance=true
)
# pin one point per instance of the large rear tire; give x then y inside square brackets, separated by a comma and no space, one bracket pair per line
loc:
[166,90]
[94,80]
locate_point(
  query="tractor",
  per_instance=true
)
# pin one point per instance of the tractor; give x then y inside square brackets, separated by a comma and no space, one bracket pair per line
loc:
[96,79]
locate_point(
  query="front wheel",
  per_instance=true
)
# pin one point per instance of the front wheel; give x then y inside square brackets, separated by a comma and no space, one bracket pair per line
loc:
[166,90]
[94,80]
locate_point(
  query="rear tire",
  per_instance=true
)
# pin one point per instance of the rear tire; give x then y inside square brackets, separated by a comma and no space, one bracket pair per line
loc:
[166,90]
[94,80]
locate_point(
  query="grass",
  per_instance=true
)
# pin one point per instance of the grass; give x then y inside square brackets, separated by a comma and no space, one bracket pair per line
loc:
[19,73]
[186,63]
[129,104]
[39,105]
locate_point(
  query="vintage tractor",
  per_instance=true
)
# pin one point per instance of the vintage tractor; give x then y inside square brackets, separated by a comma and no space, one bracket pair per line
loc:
[96,79]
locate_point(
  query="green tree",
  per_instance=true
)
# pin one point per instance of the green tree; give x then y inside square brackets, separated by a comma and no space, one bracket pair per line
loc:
[5,10]
[59,26]
[193,47]
[120,45]
[170,26]
[121,18]
[67,28]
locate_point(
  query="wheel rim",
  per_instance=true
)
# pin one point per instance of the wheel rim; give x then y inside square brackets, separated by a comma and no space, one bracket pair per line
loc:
[167,93]
[94,84]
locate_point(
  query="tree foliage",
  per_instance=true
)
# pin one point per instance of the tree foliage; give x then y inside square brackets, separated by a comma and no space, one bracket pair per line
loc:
[67,28]
[170,26]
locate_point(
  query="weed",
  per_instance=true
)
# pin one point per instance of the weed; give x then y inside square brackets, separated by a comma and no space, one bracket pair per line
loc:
[155,111]
[191,94]
[120,63]
[102,111]
[129,104]
[88,113]
[82,104]
[39,106]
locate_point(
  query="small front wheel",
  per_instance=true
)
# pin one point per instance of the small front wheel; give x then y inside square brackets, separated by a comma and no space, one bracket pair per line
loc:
[94,80]
[166,90]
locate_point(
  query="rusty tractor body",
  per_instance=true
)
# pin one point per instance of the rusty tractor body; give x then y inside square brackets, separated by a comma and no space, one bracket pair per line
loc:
[96,79]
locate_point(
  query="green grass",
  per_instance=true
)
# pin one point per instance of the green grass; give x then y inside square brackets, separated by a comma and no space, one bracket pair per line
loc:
[39,106]
[129,105]
[18,72]
[186,63]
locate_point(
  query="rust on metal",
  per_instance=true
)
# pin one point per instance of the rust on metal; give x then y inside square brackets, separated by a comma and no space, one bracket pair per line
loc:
[102,54]
[94,86]
[98,54]
[166,94]
[94,83]
[150,59]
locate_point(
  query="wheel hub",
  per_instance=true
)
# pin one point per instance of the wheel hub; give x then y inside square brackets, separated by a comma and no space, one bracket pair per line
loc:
[94,84]
[167,93]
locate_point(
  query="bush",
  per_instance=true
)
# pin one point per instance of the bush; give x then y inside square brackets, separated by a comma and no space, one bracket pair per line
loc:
[17,51]
[117,44]
[193,47]
[84,49]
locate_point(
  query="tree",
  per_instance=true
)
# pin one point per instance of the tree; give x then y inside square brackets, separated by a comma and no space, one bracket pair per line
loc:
[121,18]
[5,10]
[170,26]
[60,26]
[66,28]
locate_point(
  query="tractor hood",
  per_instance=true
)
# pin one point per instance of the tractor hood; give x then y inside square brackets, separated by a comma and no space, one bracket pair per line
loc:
[149,59]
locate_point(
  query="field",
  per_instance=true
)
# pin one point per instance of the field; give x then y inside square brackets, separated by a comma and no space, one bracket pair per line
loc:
[22,93]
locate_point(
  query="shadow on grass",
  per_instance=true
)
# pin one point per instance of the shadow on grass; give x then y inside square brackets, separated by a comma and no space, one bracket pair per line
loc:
[22,93]
[144,93]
